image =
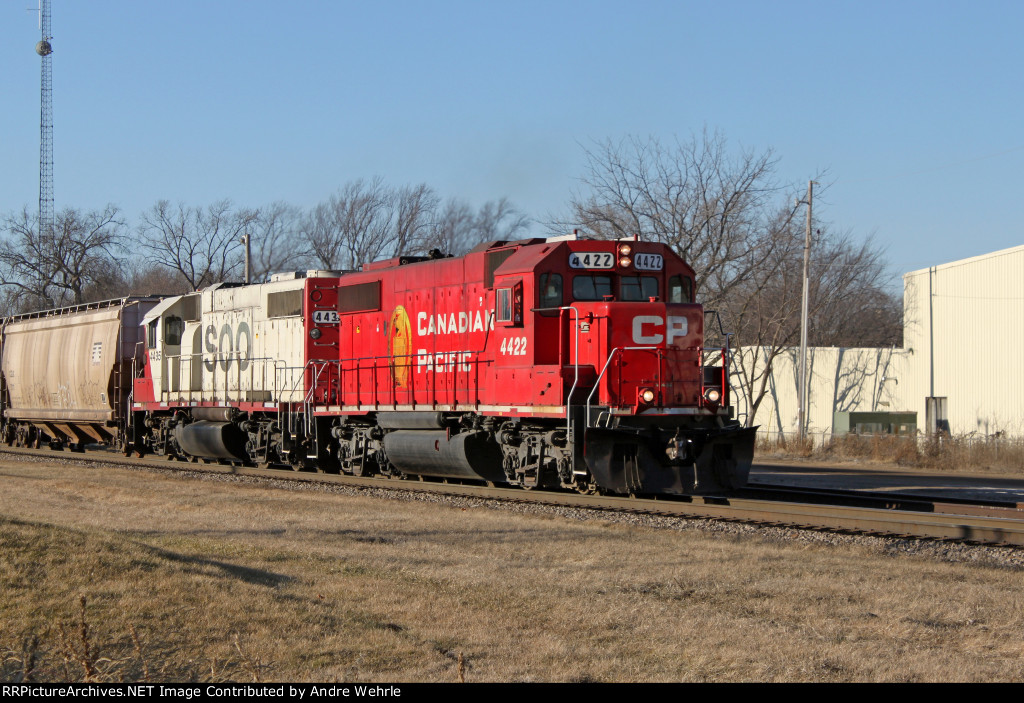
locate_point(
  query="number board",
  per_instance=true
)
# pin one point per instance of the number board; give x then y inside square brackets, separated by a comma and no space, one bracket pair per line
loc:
[326,317]
[591,260]
[649,262]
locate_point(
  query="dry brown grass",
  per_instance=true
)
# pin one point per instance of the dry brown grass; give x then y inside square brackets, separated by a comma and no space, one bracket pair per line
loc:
[151,577]
[1003,456]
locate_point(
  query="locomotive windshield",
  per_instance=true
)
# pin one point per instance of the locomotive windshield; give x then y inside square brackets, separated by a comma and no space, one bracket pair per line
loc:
[591,287]
[638,287]
[630,288]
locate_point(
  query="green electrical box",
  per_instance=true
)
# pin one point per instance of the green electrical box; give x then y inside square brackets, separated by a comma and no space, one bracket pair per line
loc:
[874,423]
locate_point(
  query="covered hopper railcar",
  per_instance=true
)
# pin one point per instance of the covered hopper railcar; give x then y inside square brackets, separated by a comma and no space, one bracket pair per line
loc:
[67,373]
[540,363]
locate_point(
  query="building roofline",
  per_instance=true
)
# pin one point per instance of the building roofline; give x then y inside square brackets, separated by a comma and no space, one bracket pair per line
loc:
[970,260]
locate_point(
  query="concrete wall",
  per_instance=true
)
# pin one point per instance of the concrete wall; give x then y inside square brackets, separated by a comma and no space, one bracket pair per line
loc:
[838,380]
[963,340]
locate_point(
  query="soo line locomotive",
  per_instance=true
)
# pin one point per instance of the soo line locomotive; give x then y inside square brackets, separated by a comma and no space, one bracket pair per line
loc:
[541,363]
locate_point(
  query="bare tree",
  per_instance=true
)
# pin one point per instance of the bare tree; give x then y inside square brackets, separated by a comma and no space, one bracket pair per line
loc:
[203,244]
[352,227]
[276,241]
[320,234]
[155,279]
[729,218]
[854,303]
[499,221]
[714,208]
[457,229]
[367,221]
[453,230]
[28,270]
[415,210]
[74,261]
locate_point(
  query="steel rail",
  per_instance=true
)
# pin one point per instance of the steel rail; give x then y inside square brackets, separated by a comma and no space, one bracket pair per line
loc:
[850,519]
[886,500]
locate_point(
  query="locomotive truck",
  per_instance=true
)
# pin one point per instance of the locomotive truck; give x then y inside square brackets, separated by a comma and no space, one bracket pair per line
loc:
[541,363]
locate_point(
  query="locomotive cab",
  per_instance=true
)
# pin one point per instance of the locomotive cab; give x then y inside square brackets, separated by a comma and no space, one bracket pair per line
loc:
[616,339]
[594,316]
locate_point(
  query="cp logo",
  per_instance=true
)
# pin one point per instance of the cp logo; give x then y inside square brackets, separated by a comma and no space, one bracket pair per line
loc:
[652,329]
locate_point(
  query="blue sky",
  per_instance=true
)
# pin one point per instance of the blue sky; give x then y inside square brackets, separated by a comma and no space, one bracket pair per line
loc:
[913,108]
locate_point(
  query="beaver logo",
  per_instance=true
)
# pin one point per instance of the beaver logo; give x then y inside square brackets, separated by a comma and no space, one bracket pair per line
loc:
[400,346]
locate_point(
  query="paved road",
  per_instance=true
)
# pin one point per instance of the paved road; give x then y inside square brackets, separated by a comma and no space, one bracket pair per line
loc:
[868,479]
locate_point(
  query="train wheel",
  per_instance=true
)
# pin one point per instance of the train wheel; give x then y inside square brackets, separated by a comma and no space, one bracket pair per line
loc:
[306,465]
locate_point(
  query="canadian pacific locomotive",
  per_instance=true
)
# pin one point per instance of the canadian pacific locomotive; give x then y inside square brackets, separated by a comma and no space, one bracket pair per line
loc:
[564,362]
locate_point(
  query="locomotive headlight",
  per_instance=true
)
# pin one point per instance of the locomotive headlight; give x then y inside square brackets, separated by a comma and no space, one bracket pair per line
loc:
[625,261]
[712,395]
[647,395]
[315,333]
[625,250]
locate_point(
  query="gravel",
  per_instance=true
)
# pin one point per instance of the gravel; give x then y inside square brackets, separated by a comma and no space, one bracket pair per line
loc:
[958,552]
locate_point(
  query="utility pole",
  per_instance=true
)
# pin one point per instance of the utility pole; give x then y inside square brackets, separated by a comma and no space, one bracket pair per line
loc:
[802,420]
[247,241]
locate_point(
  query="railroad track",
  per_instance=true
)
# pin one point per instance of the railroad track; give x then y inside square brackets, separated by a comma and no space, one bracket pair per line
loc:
[887,500]
[854,512]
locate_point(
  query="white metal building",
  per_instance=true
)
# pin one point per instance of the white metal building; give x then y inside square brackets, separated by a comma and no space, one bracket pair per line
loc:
[960,368]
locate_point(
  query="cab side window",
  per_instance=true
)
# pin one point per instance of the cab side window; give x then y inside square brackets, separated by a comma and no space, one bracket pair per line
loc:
[550,287]
[503,308]
[174,327]
[508,304]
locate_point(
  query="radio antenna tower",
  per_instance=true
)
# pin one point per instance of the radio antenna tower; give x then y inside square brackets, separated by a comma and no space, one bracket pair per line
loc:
[44,48]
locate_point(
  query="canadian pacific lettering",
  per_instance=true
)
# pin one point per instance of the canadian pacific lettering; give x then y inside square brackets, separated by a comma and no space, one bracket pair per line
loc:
[443,362]
[453,323]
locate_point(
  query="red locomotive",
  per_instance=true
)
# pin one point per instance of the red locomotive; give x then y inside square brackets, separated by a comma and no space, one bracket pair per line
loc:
[539,363]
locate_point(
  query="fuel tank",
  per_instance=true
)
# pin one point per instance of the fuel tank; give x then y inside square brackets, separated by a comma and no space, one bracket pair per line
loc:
[212,440]
[468,455]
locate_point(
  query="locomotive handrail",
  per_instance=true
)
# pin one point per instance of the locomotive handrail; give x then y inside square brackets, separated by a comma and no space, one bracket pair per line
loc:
[383,363]
[307,401]
[186,362]
[611,355]
[726,355]
[576,363]
[659,351]
[721,328]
